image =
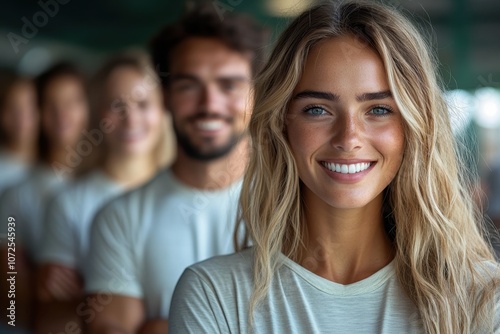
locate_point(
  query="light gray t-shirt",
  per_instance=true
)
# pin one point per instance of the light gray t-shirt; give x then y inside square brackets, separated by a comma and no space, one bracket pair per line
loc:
[26,202]
[142,241]
[213,297]
[69,216]
[12,170]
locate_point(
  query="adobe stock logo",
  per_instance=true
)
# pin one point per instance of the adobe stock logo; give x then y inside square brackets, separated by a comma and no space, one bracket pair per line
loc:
[29,30]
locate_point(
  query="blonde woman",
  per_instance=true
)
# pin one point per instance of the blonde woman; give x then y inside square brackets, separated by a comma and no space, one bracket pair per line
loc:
[353,198]
[126,140]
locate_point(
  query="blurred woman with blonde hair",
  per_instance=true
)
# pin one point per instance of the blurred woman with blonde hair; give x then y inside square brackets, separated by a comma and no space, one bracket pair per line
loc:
[358,210]
[126,147]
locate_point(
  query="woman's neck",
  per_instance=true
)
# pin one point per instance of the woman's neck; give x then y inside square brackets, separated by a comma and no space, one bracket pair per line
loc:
[130,171]
[24,152]
[61,156]
[345,245]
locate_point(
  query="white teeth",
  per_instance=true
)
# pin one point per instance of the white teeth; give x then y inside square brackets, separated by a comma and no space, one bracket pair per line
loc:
[347,169]
[210,125]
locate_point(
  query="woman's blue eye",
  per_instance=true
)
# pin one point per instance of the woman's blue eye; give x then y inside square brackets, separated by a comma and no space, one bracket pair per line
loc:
[315,111]
[379,111]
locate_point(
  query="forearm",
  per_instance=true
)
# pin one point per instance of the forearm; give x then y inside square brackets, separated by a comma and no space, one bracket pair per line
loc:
[115,314]
[58,317]
[157,326]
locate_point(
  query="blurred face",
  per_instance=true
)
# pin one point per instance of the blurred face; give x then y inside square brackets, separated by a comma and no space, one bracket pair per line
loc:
[64,111]
[19,117]
[136,111]
[344,127]
[209,97]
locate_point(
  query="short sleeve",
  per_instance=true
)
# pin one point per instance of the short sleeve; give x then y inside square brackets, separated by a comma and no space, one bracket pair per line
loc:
[59,243]
[111,266]
[195,307]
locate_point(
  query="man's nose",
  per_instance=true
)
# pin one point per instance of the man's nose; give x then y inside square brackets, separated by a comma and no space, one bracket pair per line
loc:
[212,99]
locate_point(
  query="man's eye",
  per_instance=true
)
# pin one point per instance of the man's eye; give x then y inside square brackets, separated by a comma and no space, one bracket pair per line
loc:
[185,86]
[229,86]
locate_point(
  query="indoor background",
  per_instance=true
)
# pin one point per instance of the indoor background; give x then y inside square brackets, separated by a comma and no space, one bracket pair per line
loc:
[465,34]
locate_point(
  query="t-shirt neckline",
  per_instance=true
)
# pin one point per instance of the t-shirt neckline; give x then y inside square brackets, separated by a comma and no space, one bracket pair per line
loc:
[366,285]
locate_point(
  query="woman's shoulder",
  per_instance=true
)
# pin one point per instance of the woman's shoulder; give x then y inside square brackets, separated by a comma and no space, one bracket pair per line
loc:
[220,268]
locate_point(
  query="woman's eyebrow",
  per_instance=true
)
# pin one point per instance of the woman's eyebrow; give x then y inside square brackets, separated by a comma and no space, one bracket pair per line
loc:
[334,97]
[317,95]
[374,96]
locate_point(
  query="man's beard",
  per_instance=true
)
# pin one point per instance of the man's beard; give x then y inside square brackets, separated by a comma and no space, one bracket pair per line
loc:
[195,152]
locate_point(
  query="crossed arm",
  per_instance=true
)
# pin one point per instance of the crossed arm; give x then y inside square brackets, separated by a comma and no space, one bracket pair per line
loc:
[122,315]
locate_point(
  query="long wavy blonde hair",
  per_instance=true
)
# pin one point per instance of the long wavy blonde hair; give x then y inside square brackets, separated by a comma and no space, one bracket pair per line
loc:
[441,254]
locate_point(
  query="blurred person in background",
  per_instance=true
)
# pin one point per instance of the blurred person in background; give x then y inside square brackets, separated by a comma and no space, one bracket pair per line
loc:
[126,134]
[62,100]
[142,241]
[19,122]
[492,184]
[18,128]
[493,181]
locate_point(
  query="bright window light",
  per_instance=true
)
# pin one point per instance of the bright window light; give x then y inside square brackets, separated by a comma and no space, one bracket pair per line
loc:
[35,61]
[461,109]
[288,7]
[487,108]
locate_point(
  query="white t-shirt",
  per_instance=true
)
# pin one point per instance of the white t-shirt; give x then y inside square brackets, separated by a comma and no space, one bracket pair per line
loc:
[213,297]
[142,241]
[12,170]
[26,202]
[69,216]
